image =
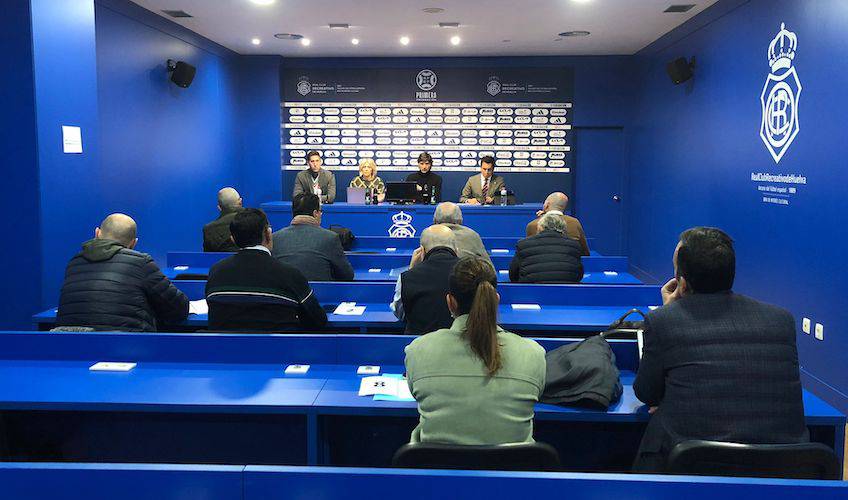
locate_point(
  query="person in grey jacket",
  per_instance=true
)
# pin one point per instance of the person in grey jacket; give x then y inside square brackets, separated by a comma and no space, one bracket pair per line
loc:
[316,180]
[110,286]
[314,251]
[468,242]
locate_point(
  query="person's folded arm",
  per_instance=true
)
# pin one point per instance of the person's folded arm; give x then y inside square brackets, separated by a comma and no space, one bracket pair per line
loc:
[649,385]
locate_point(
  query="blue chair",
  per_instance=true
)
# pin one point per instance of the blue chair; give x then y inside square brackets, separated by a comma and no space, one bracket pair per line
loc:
[789,461]
[516,457]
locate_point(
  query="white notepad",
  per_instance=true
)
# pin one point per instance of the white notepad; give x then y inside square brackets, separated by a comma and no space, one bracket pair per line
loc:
[198,307]
[391,249]
[111,366]
[349,309]
[500,250]
[374,270]
[297,369]
[611,273]
[368,370]
[180,268]
[526,307]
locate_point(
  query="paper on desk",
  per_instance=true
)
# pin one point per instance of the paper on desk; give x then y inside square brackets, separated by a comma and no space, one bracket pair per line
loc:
[391,249]
[611,273]
[297,369]
[111,366]
[500,250]
[389,387]
[198,307]
[526,307]
[503,271]
[349,309]
[180,268]
[374,270]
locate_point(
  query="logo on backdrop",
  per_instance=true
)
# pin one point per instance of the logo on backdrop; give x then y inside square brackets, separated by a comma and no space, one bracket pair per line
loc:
[303,86]
[402,226]
[780,95]
[426,80]
[493,88]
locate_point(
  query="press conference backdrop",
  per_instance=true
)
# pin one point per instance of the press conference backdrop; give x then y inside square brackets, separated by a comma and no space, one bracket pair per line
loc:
[521,116]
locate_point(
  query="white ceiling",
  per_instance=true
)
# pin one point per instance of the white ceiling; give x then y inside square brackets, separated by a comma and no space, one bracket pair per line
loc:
[530,26]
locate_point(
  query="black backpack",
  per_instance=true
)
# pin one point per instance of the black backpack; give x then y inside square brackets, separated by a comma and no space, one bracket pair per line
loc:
[345,236]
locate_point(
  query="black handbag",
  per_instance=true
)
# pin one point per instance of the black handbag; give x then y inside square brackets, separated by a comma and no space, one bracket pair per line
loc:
[346,237]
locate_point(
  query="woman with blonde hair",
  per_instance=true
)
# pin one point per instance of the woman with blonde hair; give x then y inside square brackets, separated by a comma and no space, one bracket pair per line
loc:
[475,383]
[368,179]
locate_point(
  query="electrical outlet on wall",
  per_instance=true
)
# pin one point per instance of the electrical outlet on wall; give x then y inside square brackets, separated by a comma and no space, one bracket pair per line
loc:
[805,325]
[819,331]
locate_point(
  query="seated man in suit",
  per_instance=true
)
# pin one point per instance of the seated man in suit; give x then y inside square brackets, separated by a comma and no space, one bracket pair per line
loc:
[314,251]
[110,286]
[420,291]
[555,203]
[716,365]
[468,242]
[482,188]
[316,180]
[216,234]
[251,291]
[547,257]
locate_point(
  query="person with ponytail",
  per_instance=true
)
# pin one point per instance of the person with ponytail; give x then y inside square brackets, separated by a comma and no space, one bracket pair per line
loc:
[474,382]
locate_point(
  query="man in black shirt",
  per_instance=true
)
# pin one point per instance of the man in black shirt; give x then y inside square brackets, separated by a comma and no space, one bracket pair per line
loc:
[216,234]
[251,291]
[429,184]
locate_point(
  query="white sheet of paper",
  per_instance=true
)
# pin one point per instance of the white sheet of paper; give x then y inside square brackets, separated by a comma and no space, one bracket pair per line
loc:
[180,268]
[111,366]
[503,271]
[294,369]
[391,249]
[611,273]
[349,309]
[526,307]
[198,307]
[374,270]
[378,385]
[71,139]
[403,390]
[500,250]
[368,370]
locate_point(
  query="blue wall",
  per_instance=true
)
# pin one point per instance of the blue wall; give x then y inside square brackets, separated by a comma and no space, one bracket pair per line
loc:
[20,256]
[694,147]
[602,96]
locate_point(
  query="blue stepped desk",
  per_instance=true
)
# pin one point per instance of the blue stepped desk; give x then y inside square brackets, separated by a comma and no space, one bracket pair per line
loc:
[217,398]
[382,243]
[564,309]
[387,220]
[76,481]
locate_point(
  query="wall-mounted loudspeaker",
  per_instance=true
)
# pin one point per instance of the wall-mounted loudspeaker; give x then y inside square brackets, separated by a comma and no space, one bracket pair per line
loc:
[679,70]
[182,73]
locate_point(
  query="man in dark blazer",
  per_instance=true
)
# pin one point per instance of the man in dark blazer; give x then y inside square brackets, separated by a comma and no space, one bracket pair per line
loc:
[216,234]
[250,291]
[316,180]
[314,251]
[716,365]
[482,188]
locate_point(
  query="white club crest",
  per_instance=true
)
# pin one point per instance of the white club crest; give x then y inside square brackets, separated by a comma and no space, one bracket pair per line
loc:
[780,95]
[493,87]
[303,86]
[402,226]
[426,80]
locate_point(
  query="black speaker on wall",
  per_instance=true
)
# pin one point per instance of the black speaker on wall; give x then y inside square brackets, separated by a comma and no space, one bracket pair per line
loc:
[182,73]
[680,70]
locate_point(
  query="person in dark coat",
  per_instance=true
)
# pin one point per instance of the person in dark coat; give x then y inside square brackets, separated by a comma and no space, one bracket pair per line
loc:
[251,291]
[716,365]
[216,234]
[110,286]
[420,291]
[547,257]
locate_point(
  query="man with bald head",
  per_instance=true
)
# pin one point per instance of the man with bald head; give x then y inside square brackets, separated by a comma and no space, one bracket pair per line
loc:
[110,286]
[555,203]
[216,234]
[420,291]
[468,242]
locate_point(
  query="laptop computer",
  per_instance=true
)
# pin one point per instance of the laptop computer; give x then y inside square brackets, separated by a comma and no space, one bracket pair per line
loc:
[356,196]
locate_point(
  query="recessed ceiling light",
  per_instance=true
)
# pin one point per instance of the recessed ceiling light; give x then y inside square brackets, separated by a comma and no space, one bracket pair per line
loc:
[674,9]
[581,1]
[506,40]
[433,10]
[263,2]
[339,26]
[455,40]
[354,41]
[177,13]
[256,41]
[449,25]
[305,42]
[288,36]
[404,40]
[574,33]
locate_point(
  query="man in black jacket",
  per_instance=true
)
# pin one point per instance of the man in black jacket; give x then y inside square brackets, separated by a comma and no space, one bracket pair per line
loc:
[110,286]
[420,291]
[716,365]
[251,291]
[549,256]
[216,234]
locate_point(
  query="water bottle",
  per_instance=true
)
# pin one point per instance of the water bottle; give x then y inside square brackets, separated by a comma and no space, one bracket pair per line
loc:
[503,196]
[375,199]
[368,196]
[432,195]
